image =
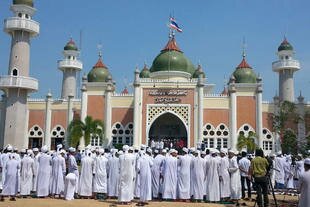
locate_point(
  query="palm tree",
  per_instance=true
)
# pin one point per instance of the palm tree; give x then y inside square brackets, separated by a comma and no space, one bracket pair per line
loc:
[247,142]
[88,128]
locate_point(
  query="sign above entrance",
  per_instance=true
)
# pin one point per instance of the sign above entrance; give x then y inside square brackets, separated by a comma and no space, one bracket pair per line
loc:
[167,95]
[168,92]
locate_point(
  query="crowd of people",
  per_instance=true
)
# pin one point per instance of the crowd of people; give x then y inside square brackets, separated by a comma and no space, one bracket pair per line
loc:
[149,174]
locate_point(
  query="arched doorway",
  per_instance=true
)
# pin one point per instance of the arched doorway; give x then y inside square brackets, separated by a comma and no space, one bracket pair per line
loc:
[169,129]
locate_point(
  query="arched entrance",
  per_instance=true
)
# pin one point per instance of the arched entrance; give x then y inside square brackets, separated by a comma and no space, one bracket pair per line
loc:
[170,129]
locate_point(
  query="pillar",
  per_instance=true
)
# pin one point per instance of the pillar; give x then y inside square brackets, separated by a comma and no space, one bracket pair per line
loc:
[259,113]
[137,114]
[108,111]
[83,112]
[200,86]
[47,122]
[233,115]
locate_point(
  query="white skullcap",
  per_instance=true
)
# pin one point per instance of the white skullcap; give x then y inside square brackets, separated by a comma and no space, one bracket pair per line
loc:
[185,149]
[101,151]
[136,147]
[149,150]
[29,152]
[9,148]
[142,147]
[35,149]
[59,146]
[120,152]
[62,151]
[72,149]
[44,149]
[192,149]
[164,151]
[156,151]
[23,150]
[125,147]
[231,151]
[203,152]
[307,161]
[224,151]
[131,148]
[15,149]
[279,153]
[171,151]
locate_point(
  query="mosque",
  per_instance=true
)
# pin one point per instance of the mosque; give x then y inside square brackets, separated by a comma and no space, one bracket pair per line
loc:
[171,101]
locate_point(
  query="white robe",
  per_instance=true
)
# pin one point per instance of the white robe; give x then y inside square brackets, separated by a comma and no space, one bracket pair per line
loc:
[225,182]
[289,175]
[235,184]
[26,175]
[70,183]
[304,199]
[10,186]
[73,168]
[184,176]
[36,171]
[144,164]
[198,170]
[279,172]
[137,180]
[44,174]
[4,160]
[86,177]
[156,171]
[126,178]
[100,172]
[213,184]
[170,174]
[113,173]
[58,172]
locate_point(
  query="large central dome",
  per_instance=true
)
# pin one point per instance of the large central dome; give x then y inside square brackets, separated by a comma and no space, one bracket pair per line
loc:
[171,58]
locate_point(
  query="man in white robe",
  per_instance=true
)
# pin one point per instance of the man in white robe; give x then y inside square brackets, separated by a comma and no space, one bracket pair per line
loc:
[224,176]
[304,188]
[198,171]
[100,175]
[73,167]
[70,183]
[144,164]
[156,172]
[4,159]
[279,171]
[44,173]
[26,174]
[113,174]
[235,184]
[126,176]
[213,176]
[184,175]
[36,155]
[10,186]
[170,167]
[86,177]
[58,173]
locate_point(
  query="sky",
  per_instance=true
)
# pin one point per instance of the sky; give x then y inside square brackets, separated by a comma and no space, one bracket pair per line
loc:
[132,32]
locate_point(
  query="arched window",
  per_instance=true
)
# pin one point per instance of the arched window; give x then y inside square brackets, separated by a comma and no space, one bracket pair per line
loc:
[267,140]
[15,72]
[57,136]
[245,129]
[209,134]
[35,135]
[117,133]
[129,134]
[222,134]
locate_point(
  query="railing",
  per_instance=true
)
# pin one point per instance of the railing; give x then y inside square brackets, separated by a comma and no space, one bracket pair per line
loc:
[285,64]
[150,80]
[122,94]
[19,82]
[215,95]
[70,64]
[16,23]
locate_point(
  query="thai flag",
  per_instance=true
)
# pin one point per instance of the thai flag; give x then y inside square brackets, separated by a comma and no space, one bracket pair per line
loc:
[174,25]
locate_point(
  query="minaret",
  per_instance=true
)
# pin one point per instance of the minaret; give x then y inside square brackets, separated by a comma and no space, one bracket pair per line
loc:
[70,66]
[17,84]
[286,66]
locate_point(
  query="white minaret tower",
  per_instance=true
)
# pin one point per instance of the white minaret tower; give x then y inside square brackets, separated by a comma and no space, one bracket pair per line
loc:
[286,66]
[70,66]
[17,84]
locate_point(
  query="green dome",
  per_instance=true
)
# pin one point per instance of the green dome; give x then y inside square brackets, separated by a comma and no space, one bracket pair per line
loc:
[199,71]
[25,2]
[99,73]
[285,45]
[145,73]
[172,58]
[71,46]
[244,73]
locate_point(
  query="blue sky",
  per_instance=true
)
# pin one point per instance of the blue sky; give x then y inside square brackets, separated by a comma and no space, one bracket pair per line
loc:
[133,32]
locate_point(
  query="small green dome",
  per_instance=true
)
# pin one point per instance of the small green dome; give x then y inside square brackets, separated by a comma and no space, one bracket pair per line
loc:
[145,73]
[25,2]
[285,45]
[244,73]
[172,58]
[199,71]
[71,46]
[99,73]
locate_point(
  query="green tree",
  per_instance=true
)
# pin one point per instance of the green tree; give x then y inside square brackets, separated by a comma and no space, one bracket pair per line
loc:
[88,128]
[289,142]
[247,142]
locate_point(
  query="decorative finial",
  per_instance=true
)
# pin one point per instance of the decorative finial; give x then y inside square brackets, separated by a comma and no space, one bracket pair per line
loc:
[243,47]
[99,47]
